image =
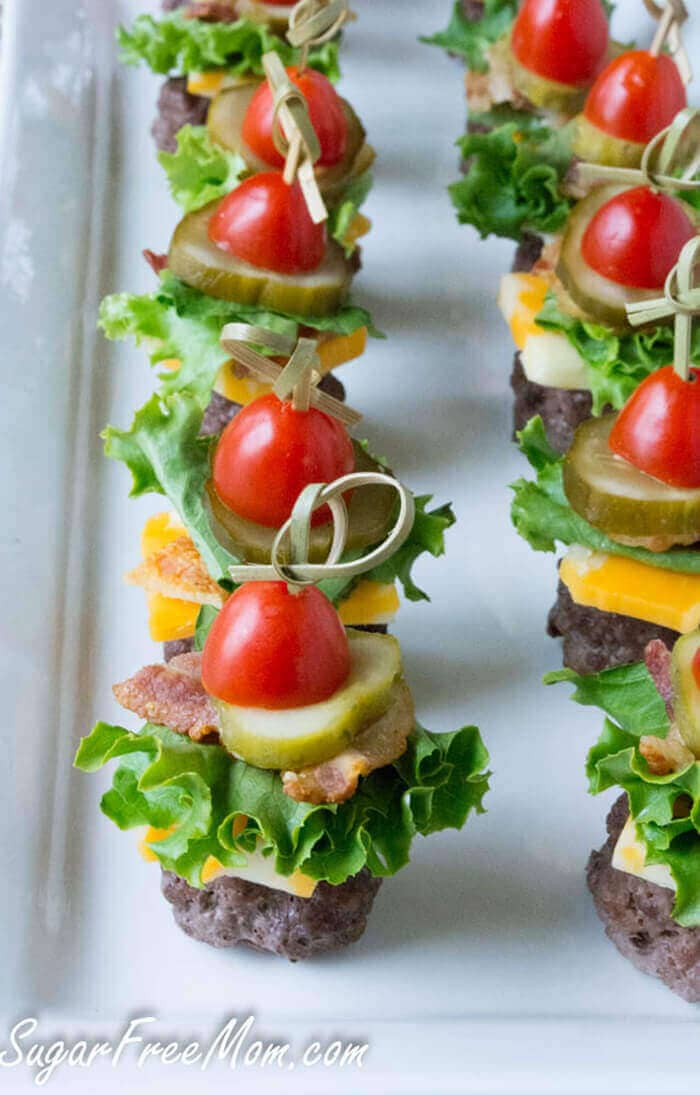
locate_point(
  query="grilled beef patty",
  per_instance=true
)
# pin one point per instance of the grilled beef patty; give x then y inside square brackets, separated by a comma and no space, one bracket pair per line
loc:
[176,107]
[562,410]
[637,918]
[595,640]
[230,911]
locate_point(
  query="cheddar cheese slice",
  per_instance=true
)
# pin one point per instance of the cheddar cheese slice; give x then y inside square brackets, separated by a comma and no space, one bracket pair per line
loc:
[612,583]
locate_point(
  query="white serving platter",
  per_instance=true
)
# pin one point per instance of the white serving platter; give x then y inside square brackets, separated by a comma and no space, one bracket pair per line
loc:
[484,967]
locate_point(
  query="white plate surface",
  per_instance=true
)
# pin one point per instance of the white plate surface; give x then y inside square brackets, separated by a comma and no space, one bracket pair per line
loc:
[484,967]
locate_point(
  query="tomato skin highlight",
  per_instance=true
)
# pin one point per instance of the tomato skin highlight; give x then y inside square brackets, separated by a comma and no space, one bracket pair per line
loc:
[269,452]
[325,111]
[658,429]
[562,40]
[636,96]
[272,648]
[696,668]
[267,223]
[635,238]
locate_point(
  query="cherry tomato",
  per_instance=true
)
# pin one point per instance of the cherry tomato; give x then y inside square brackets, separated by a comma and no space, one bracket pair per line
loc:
[269,452]
[272,648]
[636,96]
[325,110]
[562,40]
[658,428]
[267,223]
[636,237]
[696,668]
[280,3]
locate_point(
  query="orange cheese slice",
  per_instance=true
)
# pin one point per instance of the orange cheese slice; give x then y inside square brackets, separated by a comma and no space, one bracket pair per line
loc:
[612,583]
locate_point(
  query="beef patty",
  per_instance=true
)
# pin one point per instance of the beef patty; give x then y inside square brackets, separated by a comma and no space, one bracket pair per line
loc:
[637,918]
[230,911]
[562,410]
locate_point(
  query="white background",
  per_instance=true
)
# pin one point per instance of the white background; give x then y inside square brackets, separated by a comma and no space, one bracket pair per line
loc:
[484,967]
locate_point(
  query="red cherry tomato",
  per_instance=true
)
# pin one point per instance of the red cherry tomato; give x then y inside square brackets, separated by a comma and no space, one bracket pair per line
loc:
[696,668]
[325,110]
[269,452]
[272,648]
[280,3]
[635,238]
[562,40]
[636,96]
[658,428]
[267,223]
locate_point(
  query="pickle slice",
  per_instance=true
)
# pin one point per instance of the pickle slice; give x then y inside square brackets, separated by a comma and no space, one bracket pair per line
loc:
[225,125]
[200,263]
[544,93]
[602,300]
[275,16]
[686,706]
[625,503]
[591,144]
[370,513]
[295,738]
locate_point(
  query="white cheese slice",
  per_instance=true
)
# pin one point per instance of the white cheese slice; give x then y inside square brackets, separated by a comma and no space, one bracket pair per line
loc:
[549,358]
[630,856]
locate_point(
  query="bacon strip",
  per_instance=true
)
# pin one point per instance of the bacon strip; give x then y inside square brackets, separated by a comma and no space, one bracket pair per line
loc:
[211,11]
[382,742]
[172,696]
[657,658]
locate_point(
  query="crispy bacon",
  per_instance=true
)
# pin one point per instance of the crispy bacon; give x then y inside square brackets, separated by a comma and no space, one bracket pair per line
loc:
[156,261]
[178,571]
[211,11]
[172,696]
[657,658]
[382,742]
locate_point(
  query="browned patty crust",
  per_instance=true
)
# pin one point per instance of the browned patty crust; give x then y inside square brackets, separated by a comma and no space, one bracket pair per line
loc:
[561,410]
[230,911]
[637,918]
[595,640]
[176,108]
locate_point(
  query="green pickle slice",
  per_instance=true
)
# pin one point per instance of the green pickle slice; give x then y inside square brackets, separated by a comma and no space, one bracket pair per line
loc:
[275,16]
[225,125]
[370,512]
[686,705]
[625,503]
[601,299]
[295,738]
[200,263]
[592,145]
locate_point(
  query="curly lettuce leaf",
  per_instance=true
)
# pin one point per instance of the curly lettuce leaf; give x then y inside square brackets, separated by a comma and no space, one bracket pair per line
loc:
[541,513]
[427,535]
[514,176]
[179,322]
[472,39]
[174,44]
[167,781]
[666,809]
[200,171]
[341,216]
[617,363]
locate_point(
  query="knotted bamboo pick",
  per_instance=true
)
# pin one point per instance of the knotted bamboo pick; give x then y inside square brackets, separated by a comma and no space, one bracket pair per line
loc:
[298,379]
[294,136]
[681,299]
[670,162]
[314,22]
[298,571]
[671,17]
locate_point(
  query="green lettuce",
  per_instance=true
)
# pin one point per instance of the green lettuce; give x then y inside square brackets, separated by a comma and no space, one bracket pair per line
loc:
[178,45]
[514,176]
[166,780]
[179,322]
[165,455]
[617,363]
[200,171]
[472,39]
[634,708]
[541,513]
